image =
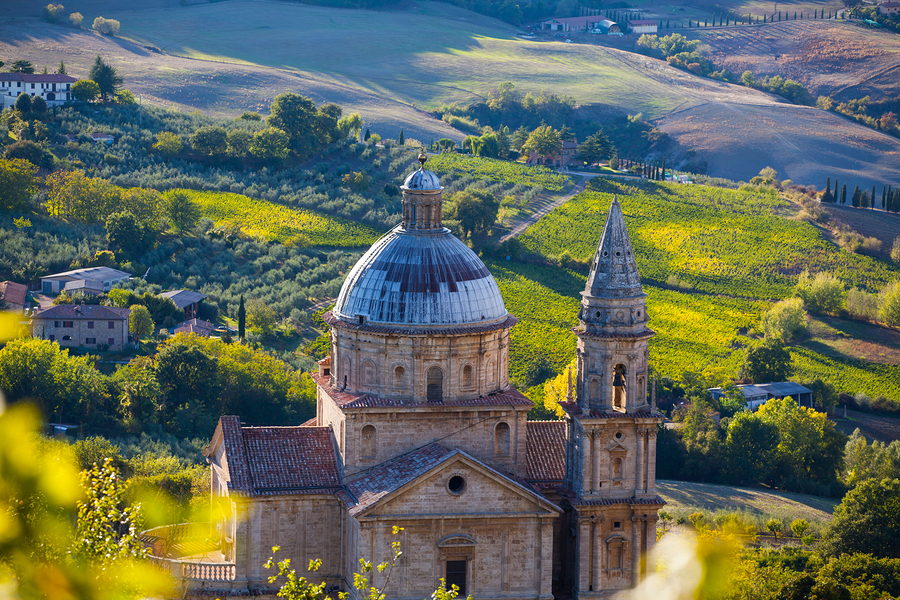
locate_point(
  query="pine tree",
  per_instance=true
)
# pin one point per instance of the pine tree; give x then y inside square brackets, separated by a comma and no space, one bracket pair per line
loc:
[242,318]
[843,193]
[61,69]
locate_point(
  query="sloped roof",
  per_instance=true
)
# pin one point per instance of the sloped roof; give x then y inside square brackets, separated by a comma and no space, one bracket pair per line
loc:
[545,451]
[265,461]
[83,311]
[13,293]
[37,77]
[613,501]
[99,273]
[783,388]
[84,284]
[184,298]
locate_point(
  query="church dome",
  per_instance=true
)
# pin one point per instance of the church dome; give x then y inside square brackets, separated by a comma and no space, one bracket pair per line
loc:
[422,180]
[420,278]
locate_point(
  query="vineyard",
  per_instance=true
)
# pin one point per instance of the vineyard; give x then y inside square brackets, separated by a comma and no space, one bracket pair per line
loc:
[267,220]
[715,240]
[499,170]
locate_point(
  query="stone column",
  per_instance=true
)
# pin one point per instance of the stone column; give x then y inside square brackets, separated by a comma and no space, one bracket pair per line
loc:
[639,464]
[546,570]
[635,549]
[651,462]
[586,484]
[598,554]
[584,551]
[595,466]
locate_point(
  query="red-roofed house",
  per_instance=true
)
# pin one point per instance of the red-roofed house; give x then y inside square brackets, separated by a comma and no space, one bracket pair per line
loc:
[89,326]
[889,8]
[54,88]
[418,426]
[13,296]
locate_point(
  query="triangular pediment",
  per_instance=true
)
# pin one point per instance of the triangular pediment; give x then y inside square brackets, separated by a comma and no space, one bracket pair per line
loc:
[457,485]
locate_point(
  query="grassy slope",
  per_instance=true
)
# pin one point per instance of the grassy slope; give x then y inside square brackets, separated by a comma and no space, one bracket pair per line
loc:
[684,497]
[698,332]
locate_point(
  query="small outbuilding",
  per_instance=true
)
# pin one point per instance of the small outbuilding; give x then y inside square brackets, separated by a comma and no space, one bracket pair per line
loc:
[186,300]
[642,26]
[106,276]
[757,395]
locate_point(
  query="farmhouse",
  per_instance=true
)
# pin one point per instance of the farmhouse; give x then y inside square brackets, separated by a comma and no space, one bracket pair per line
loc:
[642,26]
[570,23]
[186,300]
[13,296]
[562,159]
[418,426]
[104,276]
[196,326]
[889,8]
[80,325]
[54,88]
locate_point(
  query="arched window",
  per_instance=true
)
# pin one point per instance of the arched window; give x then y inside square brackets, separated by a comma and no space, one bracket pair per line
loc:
[501,439]
[468,377]
[595,390]
[435,384]
[399,377]
[369,447]
[370,373]
[619,383]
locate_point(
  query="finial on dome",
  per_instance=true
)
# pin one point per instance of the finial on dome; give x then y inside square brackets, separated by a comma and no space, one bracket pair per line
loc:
[422,158]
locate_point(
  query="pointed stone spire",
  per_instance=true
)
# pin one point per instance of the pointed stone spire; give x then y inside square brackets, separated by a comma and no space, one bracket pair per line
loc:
[614,272]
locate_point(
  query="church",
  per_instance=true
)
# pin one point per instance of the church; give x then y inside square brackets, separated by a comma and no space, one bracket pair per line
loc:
[417,426]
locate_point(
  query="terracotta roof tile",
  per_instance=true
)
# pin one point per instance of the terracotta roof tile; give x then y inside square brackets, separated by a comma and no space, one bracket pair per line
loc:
[296,460]
[545,452]
[509,397]
[13,293]
[612,501]
[394,474]
[573,409]
[236,454]
[83,311]
[37,77]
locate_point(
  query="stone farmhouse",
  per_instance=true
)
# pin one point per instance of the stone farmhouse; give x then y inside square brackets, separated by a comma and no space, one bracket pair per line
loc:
[13,296]
[418,426]
[54,88]
[80,325]
[889,8]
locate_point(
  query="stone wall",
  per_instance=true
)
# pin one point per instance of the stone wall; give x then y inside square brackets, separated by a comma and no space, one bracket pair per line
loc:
[81,332]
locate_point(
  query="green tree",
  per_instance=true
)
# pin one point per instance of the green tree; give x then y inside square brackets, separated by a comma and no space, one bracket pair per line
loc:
[750,448]
[866,521]
[76,19]
[123,231]
[140,324]
[95,451]
[242,318]
[190,382]
[52,13]
[210,140]
[270,144]
[167,143]
[799,527]
[543,141]
[18,182]
[352,124]
[238,142]
[183,213]
[85,90]
[295,115]
[785,320]
[139,391]
[766,363]
[38,105]
[476,211]
[23,103]
[61,69]
[21,66]
[261,318]
[401,140]
[105,76]
[595,148]
[889,303]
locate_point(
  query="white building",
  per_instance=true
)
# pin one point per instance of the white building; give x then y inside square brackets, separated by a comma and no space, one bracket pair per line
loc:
[54,88]
[642,26]
[101,277]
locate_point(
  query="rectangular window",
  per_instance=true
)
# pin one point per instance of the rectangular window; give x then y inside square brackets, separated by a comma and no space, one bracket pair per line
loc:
[90,324]
[56,323]
[110,324]
[456,575]
[90,340]
[67,324]
[32,86]
[111,341]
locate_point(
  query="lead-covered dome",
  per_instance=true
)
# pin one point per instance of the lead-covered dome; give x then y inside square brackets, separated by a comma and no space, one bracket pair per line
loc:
[420,278]
[423,180]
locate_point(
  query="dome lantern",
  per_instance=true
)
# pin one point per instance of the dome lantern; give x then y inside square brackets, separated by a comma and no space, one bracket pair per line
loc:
[422,205]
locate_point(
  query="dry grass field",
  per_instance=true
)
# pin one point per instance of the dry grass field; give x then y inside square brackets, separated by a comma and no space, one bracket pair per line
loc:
[227,57]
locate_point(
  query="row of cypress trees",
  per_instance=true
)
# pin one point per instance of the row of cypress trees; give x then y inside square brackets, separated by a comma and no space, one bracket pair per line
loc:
[890,197]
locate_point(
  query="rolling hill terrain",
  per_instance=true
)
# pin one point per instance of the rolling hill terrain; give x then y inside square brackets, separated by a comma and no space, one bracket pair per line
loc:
[227,57]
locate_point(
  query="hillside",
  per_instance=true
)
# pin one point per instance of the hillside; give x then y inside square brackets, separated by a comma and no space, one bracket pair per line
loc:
[201,57]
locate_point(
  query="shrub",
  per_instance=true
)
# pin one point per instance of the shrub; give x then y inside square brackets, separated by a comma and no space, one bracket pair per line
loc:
[106,26]
[76,18]
[52,13]
[822,294]
[890,303]
[895,250]
[85,90]
[871,244]
[785,321]
[862,304]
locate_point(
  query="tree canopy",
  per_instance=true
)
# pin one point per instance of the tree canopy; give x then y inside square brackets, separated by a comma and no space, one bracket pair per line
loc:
[107,79]
[767,363]
[866,521]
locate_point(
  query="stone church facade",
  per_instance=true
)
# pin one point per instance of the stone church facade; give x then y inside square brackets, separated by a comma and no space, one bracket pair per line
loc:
[417,426]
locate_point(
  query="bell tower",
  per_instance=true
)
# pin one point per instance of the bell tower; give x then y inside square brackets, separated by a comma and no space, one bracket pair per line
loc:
[612,335]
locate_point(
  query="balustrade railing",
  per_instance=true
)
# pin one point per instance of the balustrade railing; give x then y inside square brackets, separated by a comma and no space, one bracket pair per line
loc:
[195,571]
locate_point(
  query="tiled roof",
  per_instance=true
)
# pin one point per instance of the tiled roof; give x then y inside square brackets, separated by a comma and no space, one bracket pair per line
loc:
[612,501]
[238,470]
[83,311]
[625,335]
[13,293]
[332,320]
[293,460]
[545,452]
[508,397]
[310,423]
[394,474]
[37,78]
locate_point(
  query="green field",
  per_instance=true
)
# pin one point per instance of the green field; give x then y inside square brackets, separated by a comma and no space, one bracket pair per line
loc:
[717,240]
[499,170]
[267,220]
[732,246]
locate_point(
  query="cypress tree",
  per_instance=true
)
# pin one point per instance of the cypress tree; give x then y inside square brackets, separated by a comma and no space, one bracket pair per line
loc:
[242,318]
[401,139]
[826,195]
[873,196]
[368,135]
[843,193]
[779,15]
[883,196]
[857,196]
[836,190]
[764,18]
[664,170]
[667,23]
[795,15]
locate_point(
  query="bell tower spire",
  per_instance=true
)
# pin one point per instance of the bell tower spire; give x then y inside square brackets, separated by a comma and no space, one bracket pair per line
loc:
[612,334]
